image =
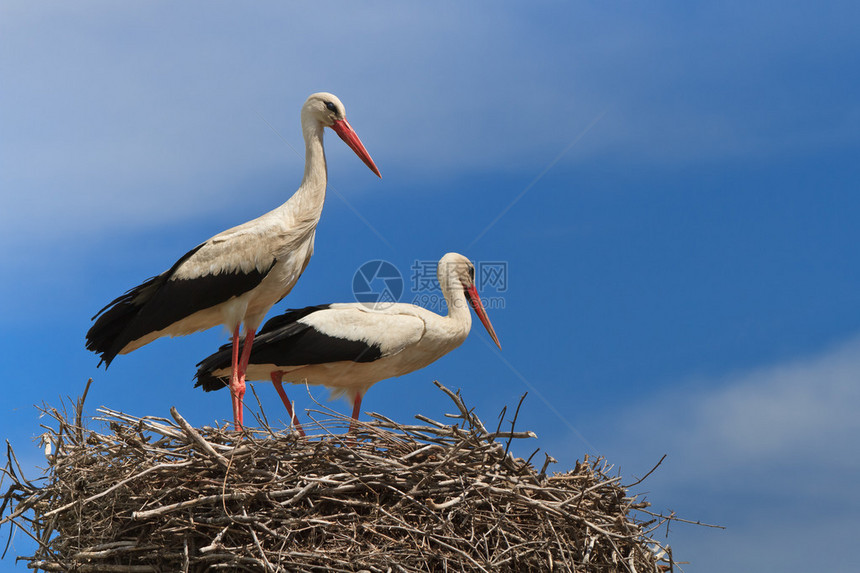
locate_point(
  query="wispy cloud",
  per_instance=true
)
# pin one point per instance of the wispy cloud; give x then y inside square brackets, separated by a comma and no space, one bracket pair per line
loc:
[766,452]
[111,127]
[805,409]
[786,410]
[765,430]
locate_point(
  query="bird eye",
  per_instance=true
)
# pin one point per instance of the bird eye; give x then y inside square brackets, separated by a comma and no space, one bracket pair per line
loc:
[472,273]
[330,106]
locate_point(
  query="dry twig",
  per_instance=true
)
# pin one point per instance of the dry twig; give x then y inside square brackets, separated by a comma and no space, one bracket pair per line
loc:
[152,494]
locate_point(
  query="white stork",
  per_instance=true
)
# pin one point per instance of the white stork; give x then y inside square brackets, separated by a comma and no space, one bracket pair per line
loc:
[349,347]
[235,277]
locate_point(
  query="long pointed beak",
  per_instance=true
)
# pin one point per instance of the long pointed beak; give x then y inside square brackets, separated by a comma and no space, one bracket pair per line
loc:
[342,128]
[475,301]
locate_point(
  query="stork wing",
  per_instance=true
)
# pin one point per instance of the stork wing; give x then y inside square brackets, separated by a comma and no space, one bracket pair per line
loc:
[321,335]
[338,332]
[211,273]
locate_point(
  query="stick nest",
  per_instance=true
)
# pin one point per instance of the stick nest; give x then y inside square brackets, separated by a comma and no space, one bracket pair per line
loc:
[152,494]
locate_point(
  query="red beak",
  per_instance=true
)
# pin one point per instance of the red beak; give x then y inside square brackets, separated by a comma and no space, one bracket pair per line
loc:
[475,301]
[342,128]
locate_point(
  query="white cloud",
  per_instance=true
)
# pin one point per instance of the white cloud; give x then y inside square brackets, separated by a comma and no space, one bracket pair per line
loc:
[110,113]
[784,430]
[770,453]
[801,409]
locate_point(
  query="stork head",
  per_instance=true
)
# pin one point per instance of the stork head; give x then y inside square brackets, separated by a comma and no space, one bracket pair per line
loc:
[328,110]
[457,272]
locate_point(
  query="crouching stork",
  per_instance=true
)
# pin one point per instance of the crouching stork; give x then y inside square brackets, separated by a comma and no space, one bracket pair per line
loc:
[349,347]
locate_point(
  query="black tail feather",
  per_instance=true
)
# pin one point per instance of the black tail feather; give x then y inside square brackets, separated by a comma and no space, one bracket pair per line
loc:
[105,337]
[111,332]
[221,359]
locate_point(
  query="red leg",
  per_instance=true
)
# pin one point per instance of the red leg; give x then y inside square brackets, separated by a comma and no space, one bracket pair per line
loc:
[234,381]
[246,351]
[356,409]
[237,380]
[241,367]
[277,376]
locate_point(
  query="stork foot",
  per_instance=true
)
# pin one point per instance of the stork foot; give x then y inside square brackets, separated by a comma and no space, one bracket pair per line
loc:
[237,394]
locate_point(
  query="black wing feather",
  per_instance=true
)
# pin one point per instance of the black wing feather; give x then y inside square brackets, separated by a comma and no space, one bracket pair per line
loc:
[285,341]
[160,302]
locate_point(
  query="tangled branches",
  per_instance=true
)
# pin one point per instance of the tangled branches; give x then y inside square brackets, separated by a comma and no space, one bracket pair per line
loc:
[152,494]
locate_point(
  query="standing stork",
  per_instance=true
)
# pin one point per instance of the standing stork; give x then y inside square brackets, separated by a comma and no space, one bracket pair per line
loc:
[349,347]
[235,277]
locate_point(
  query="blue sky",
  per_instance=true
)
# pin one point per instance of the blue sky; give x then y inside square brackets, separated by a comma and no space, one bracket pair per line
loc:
[678,185]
